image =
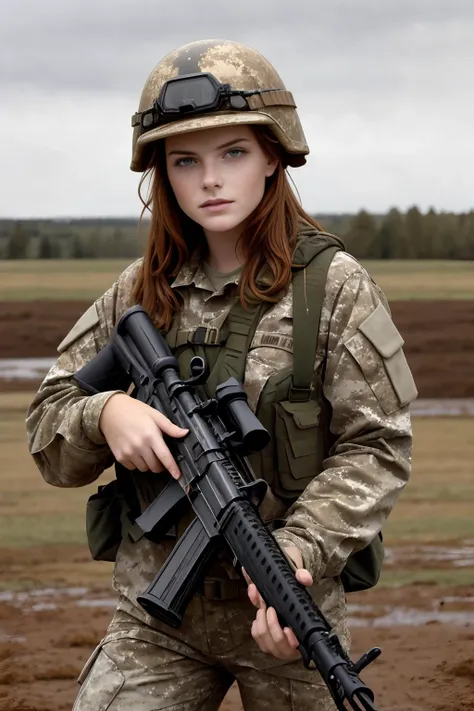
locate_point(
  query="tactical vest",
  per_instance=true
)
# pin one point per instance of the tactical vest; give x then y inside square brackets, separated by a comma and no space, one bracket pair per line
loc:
[291,405]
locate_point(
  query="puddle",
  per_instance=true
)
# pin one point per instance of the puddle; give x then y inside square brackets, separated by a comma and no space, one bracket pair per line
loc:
[458,556]
[97,603]
[450,610]
[16,597]
[24,368]
[36,368]
[6,638]
[363,615]
[454,407]
[49,599]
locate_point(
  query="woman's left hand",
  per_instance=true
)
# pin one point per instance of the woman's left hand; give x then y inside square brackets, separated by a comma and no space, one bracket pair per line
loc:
[266,629]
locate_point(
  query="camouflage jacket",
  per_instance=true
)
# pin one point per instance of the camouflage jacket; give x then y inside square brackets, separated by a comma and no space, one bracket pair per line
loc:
[367,383]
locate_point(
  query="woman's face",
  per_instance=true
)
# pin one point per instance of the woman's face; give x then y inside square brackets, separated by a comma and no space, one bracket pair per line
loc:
[218,175]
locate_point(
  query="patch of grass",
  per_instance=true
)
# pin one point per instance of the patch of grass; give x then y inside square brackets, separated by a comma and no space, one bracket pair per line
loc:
[423,279]
[445,577]
[422,527]
[35,530]
[31,511]
[45,280]
[86,279]
[436,505]
[438,502]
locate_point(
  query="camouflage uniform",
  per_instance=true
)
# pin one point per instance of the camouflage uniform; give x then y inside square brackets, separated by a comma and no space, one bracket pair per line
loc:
[142,663]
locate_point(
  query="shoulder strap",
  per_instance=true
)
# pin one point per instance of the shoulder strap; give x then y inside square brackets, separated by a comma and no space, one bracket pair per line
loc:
[240,327]
[309,287]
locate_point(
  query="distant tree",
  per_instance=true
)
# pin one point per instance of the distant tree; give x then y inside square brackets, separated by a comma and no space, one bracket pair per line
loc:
[362,235]
[77,250]
[18,242]
[431,246]
[466,235]
[414,233]
[45,249]
[389,236]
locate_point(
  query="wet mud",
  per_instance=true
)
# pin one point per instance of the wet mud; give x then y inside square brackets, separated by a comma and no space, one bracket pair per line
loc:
[426,633]
[439,339]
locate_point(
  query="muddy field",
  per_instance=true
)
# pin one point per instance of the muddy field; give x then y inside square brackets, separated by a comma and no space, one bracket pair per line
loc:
[439,338]
[426,629]
[426,633]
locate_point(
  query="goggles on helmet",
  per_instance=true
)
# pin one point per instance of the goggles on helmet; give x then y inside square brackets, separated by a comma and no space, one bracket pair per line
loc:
[202,93]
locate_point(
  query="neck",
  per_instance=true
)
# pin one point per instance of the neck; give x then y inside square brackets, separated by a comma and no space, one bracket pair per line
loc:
[225,254]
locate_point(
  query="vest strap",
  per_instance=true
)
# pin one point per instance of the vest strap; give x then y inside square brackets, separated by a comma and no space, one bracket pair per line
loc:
[240,325]
[309,287]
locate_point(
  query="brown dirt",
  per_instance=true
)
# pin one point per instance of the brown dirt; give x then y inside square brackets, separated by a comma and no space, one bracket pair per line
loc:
[439,339]
[428,667]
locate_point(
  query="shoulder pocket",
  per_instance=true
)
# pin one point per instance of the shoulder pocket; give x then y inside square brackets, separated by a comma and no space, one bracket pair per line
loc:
[378,349]
[87,321]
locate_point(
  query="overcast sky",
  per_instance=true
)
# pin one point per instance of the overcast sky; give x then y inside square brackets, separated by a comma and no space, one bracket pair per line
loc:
[385,92]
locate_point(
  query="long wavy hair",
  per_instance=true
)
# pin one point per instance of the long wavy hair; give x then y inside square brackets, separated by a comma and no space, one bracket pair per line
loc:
[267,243]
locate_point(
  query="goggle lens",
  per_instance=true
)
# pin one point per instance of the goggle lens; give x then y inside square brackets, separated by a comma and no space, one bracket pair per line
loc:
[188,95]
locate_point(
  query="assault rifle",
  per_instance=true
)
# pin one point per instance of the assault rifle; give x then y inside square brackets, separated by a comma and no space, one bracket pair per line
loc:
[224,494]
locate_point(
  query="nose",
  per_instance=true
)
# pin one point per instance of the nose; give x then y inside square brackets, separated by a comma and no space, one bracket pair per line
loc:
[211,177]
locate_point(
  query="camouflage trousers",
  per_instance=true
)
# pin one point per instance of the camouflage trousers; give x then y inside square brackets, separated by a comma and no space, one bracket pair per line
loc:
[145,666]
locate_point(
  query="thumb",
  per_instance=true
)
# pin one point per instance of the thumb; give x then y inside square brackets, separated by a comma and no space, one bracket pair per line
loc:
[304,577]
[167,426]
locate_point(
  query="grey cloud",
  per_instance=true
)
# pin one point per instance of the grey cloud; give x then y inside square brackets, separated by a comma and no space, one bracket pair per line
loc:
[85,45]
[383,88]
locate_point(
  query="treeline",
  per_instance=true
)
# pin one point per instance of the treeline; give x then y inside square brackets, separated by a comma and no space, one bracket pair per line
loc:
[395,235]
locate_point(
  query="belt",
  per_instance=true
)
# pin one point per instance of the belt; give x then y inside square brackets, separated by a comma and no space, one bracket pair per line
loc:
[215,589]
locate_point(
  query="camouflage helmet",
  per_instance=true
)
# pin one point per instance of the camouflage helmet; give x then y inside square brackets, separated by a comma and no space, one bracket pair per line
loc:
[230,63]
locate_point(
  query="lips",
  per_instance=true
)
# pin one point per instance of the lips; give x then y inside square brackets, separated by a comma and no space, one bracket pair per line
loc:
[211,203]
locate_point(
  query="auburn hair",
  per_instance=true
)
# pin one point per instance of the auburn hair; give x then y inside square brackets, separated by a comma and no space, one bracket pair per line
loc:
[267,243]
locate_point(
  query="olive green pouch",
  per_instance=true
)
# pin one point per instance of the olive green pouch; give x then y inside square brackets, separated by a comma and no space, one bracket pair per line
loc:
[103,522]
[362,570]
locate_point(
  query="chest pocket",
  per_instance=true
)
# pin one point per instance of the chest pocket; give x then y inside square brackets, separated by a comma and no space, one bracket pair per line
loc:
[296,437]
[299,438]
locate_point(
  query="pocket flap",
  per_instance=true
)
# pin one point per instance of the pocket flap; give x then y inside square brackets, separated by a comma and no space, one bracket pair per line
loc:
[89,664]
[382,332]
[305,414]
[87,321]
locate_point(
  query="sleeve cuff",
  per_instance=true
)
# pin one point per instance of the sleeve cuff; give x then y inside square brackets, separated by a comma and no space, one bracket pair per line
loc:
[312,559]
[91,416]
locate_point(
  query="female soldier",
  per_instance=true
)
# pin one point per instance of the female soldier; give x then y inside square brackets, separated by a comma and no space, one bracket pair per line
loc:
[216,129]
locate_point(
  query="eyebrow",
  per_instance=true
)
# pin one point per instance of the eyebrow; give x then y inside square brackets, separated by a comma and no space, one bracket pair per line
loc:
[218,148]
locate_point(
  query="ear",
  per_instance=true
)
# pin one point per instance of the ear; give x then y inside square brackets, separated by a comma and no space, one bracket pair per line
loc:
[271,167]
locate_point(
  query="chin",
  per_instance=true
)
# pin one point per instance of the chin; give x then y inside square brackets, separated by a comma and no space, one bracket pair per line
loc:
[221,223]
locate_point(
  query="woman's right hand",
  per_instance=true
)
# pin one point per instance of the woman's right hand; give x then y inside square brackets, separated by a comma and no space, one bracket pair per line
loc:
[134,433]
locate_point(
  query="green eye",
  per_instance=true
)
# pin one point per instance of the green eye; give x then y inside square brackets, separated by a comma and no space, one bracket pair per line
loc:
[183,162]
[235,152]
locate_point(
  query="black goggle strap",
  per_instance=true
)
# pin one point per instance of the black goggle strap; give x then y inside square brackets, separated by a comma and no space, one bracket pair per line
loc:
[255,101]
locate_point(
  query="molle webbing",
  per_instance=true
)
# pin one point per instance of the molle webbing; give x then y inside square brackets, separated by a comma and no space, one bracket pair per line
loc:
[240,327]
[225,349]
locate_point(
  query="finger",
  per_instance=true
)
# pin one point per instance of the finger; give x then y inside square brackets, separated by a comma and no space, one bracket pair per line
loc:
[254,597]
[260,632]
[290,637]
[165,457]
[284,641]
[153,462]
[247,579]
[167,426]
[127,463]
[138,463]
[265,640]
[274,628]
[303,576]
